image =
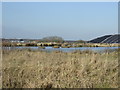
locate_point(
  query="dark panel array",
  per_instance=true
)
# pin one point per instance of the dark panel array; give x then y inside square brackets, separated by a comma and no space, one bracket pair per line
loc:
[107,39]
[111,39]
[100,39]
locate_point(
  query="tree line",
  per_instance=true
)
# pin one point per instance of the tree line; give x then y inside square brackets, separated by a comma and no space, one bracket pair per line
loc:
[57,39]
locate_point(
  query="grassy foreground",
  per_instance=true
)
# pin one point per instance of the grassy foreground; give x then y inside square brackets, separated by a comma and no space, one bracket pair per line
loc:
[39,69]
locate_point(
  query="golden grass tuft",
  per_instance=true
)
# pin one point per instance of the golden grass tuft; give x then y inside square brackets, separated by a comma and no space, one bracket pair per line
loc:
[39,69]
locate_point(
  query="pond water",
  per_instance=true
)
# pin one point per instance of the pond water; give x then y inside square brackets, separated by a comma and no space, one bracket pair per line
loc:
[65,49]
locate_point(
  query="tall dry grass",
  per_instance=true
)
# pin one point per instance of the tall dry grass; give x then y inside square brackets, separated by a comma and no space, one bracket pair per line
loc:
[39,69]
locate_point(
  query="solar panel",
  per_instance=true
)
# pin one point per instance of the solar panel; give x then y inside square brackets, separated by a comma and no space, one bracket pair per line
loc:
[107,39]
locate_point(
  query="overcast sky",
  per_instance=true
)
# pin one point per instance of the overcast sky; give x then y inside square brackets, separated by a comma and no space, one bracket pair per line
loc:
[69,20]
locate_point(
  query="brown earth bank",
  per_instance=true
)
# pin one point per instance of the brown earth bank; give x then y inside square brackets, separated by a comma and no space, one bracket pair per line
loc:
[79,69]
[55,44]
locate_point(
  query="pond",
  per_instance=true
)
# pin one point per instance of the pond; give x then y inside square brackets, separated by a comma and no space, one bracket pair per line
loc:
[65,49]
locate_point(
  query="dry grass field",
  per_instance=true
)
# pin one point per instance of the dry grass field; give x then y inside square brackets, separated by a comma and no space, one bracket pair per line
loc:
[79,69]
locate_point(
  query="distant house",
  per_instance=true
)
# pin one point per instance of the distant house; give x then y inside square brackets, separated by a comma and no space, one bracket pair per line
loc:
[21,40]
[14,40]
[17,40]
